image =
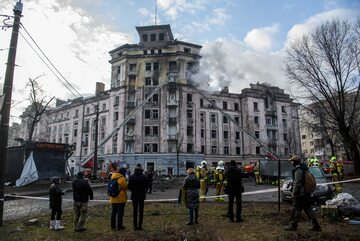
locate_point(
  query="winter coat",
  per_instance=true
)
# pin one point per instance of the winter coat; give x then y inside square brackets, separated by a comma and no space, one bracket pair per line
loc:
[137,185]
[122,196]
[82,190]
[191,188]
[298,174]
[234,177]
[55,196]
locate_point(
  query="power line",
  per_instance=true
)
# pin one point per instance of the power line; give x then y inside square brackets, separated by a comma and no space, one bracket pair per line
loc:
[68,83]
[56,75]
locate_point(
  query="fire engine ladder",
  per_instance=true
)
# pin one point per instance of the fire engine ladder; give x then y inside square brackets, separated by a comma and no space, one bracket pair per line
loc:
[127,118]
[268,151]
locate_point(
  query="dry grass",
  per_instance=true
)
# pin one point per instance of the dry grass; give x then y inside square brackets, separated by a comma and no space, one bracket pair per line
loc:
[166,221]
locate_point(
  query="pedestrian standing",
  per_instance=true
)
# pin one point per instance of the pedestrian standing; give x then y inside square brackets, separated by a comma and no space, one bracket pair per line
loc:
[150,177]
[191,195]
[234,189]
[118,202]
[301,200]
[81,194]
[55,204]
[137,185]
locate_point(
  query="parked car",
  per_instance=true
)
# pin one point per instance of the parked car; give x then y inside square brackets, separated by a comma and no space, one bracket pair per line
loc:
[321,193]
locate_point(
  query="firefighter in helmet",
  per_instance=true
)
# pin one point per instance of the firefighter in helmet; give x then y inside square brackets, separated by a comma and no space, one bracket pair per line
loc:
[336,170]
[220,180]
[202,174]
[315,162]
[256,169]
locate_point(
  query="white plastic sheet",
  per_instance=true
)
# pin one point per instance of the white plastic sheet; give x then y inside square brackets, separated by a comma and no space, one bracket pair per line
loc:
[29,173]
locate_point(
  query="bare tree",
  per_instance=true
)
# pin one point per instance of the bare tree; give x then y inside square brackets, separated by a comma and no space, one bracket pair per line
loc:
[324,68]
[38,105]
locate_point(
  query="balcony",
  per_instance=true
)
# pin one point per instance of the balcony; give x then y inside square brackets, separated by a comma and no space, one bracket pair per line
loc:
[271,127]
[172,103]
[131,104]
[129,138]
[172,120]
[172,86]
[271,113]
[131,121]
[131,89]
[132,72]
[172,137]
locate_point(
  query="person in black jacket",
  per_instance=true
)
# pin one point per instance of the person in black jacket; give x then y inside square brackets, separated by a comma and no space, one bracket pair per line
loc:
[234,189]
[55,204]
[301,200]
[81,194]
[138,185]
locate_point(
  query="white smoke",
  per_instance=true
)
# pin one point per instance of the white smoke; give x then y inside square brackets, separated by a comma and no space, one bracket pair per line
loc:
[231,63]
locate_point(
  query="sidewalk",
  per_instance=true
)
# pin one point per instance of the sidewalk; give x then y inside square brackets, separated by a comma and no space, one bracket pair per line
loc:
[42,188]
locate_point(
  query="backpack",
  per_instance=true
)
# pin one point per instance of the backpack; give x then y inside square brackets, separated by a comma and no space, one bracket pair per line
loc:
[310,182]
[113,188]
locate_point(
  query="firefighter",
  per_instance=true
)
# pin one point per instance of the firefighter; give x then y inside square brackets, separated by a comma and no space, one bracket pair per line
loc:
[256,169]
[316,162]
[220,180]
[212,175]
[202,174]
[336,170]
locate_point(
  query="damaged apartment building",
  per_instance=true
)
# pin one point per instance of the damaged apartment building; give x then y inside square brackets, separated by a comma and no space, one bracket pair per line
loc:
[176,128]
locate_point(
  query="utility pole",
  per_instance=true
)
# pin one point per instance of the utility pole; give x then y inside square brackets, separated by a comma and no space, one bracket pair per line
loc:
[96,141]
[5,110]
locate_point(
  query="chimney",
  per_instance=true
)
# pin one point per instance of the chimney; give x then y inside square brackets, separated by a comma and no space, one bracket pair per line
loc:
[100,87]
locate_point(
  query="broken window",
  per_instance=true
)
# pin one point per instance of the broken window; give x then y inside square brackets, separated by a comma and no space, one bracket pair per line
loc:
[161,36]
[145,37]
[189,131]
[226,150]
[153,37]
[172,66]
[236,106]
[189,114]
[225,120]
[256,108]
[213,118]
[214,150]
[226,135]
[148,81]
[190,148]
[225,105]
[213,133]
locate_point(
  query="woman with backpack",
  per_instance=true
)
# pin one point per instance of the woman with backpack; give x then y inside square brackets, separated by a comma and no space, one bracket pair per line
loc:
[118,198]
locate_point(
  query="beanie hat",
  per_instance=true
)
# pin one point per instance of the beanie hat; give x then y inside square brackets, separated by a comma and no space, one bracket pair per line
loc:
[233,163]
[138,167]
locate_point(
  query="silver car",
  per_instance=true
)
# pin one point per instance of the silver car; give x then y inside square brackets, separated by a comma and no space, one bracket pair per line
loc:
[322,192]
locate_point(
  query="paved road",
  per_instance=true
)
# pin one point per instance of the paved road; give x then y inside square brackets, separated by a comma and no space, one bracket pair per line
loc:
[20,208]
